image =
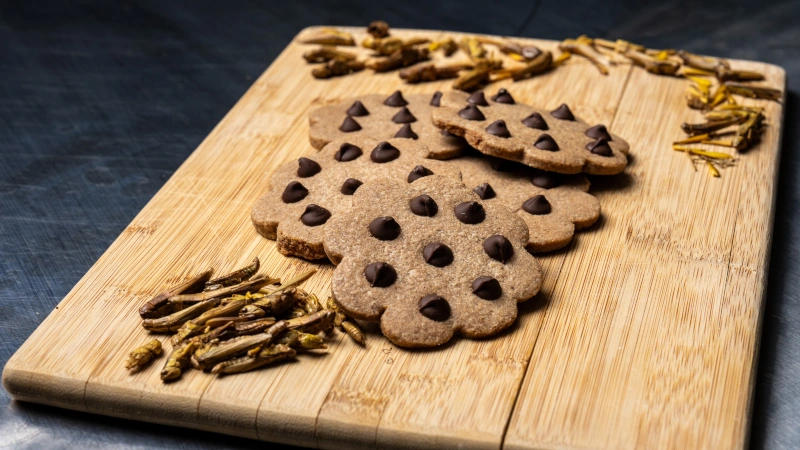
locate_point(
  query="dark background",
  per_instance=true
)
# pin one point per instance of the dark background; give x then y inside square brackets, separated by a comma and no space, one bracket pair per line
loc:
[100,101]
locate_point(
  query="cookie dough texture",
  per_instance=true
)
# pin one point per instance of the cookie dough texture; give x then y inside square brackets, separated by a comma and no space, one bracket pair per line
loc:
[277,219]
[512,184]
[350,243]
[325,123]
[571,157]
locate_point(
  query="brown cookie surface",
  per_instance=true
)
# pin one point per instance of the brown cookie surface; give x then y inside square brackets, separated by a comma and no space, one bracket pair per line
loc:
[306,193]
[553,205]
[555,140]
[447,262]
[384,117]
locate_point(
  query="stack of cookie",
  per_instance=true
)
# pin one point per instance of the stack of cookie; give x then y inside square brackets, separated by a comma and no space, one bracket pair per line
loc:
[431,206]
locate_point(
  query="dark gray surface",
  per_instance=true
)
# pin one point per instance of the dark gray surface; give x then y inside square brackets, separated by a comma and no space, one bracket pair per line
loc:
[100,101]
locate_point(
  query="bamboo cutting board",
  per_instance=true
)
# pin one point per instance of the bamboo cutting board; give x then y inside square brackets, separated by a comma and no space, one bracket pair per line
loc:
[645,333]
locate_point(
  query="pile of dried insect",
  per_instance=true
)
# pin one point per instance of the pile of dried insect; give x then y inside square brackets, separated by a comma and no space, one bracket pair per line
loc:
[236,323]
[713,87]
[391,53]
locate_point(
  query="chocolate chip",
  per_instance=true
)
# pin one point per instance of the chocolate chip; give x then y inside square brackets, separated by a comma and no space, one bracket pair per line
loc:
[562,112]
[423,206]
[470,212]
[307,168]
[437,254]
[436,99]
[406,132]
[349,125]
[478,98]
[499,248]
[418,172]
[357,110]
[396,99]
[384,228]
[598,131]
[487,288]
[498,128]
[537,206]
[434,307]
[380,274]
[384,152]
[347,152]
[535,121]
[485,191]
[315,215]
[529,52]
[599,147]
[471,112]
[546,180]
[503,96]
[404,116]
[294,192]
[350,186]
[545,142]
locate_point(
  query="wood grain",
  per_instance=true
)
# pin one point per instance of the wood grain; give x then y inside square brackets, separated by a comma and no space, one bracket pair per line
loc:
[645,333]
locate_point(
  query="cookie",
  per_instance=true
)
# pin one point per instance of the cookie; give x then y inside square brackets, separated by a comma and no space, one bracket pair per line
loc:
[553,205]
[306,193]
[382,117]
[555,140]
[430,259]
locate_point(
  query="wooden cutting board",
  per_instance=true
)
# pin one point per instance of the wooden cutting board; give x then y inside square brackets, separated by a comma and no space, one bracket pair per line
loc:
[645,333]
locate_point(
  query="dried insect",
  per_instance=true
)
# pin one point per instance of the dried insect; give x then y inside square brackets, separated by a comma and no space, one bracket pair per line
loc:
[327,53]
[702,62]
[431,72]
[238,346]
[266,356]
[354,332]
[619,46]
[754,91]
[727,74]
[298,339]
[402,57]
[338,67]
[175,320]
[178,360]
[254,326]
[329,36]
[514,50]
[141,356]
[309,323]
[378,29]
[235,277]
[583,46]
[158,307]
[478,76]
[251,285]
[653,65]
[221,333]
